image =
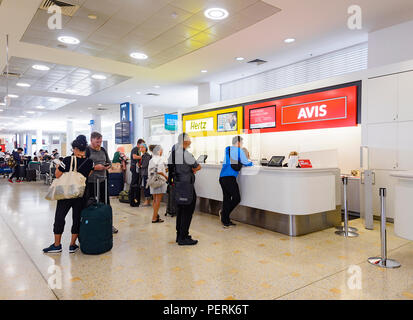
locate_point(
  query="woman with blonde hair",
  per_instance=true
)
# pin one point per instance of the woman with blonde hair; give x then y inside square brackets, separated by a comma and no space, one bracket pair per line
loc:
[157,166]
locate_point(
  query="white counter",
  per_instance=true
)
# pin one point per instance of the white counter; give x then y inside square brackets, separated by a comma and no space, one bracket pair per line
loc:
[403,201]
[281,190]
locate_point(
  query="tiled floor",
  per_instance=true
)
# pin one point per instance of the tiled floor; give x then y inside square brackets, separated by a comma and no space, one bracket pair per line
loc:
[244,262]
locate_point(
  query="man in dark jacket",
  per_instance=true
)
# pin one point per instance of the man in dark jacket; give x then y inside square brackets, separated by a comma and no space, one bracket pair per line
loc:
[134,191]
[17,159]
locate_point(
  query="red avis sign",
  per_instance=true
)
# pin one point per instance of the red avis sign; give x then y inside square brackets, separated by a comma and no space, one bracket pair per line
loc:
[331,108]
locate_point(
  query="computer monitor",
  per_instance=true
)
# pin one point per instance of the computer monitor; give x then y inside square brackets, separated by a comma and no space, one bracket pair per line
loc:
[276,161]
[202,158]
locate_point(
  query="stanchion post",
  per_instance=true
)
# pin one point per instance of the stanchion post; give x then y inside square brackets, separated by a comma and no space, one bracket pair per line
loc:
[346,232]
[382,261]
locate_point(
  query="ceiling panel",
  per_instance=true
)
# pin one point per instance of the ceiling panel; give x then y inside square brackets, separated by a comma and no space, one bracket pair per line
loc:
[156,27]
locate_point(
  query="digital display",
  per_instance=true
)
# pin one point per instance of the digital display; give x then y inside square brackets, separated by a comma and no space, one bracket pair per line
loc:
[227,122]
[262,118]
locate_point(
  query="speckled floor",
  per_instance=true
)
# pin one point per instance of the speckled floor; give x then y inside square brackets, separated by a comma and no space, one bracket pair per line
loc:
[244,262]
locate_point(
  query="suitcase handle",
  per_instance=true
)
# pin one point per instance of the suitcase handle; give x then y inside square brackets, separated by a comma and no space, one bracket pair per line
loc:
[97,191]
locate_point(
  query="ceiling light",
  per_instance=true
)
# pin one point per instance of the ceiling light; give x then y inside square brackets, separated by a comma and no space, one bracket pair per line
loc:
[53,100]
[23,85]
[30,112]
[289,40]
[22,117]
[138,55]
[90,108]
[68,40]
[70,91]
[204,71]
[239,58]
[99,104]
[138,92]
[13,96]
[40,67]
[99,77]
[1,110]
[156,87]
[92,16]
[216,13]
[40,107]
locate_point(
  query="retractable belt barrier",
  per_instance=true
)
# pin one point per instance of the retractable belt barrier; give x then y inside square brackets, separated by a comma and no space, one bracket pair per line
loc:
[382,261]
[346,231]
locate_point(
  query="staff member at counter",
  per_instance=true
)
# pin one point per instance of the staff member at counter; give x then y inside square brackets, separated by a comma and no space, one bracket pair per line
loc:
[235,158]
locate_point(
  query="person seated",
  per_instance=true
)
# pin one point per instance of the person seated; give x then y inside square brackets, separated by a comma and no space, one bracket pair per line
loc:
[292,160]
[35,161]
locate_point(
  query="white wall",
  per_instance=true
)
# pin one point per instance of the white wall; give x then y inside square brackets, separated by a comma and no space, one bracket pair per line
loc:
[391,45]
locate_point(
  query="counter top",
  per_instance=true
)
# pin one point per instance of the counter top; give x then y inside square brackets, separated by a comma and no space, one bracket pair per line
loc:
[402,174]
[273,169]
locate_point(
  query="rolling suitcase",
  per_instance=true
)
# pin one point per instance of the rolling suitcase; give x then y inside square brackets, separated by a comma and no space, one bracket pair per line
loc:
[31,175]
[171,204]
[21,172]
[95,236]
[116,184]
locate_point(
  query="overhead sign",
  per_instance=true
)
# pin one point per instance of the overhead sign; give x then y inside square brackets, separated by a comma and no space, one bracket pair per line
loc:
[124,112]
[171,122]
[330,109]
[262,118]
[200,125]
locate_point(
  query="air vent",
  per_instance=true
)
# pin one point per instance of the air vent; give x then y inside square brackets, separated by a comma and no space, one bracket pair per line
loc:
[153,94]
[258,61]
[102,109]
[68,9]
[11,74]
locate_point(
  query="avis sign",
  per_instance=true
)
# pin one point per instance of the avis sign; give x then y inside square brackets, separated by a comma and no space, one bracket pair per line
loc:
[323,110]
[200,125]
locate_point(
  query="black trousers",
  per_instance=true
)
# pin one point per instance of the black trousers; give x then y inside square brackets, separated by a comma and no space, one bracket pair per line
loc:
[184,217]
[91,190]
[135,189]
[17,172]
[232,197]
[63,207]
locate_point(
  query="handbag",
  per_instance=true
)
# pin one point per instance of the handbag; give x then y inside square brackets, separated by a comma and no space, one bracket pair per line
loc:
[184,190]
[235,166]
[70,185]
[155,180]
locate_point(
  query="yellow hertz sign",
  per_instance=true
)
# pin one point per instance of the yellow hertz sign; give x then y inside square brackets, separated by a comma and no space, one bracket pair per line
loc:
[214,123]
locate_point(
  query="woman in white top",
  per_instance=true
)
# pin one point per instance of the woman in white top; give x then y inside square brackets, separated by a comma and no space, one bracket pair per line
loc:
[157,165]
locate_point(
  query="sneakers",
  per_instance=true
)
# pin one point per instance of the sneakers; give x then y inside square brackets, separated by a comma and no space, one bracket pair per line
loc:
[188,237]
[114,230]
[73,249]
[10,180]
[226,226]
[232,224]
[53,249]
[187,242]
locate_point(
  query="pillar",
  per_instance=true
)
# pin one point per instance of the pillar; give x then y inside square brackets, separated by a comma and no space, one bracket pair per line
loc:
[97,123]
[138,122]
[69,137]
[208,93]
[39,139]
[29,144]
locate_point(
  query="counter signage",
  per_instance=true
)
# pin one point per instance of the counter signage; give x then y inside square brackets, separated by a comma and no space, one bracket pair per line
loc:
[333,107]
[200,125]
[305,163]
[171,122]
[330,109]
[227,121]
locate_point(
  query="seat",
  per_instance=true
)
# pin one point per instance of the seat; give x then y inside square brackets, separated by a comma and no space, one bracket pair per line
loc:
[35,166]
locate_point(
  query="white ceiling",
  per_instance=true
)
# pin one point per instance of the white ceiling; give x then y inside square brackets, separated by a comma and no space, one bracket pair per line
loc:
[319,26]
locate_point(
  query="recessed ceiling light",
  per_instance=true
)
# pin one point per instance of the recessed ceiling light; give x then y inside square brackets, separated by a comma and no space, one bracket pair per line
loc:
[90,108]
[68,40]
[239,58]
[40,107]
[99,77]
[204,71]
[30,112]
[138,55]
[70,91]
[156,87]
[1,110]
[23,85]
[40,67]
[138,92]
[13,96]
[22,117]
[99,104]
[216,13]
[289,40]
[92,16]
[53,100]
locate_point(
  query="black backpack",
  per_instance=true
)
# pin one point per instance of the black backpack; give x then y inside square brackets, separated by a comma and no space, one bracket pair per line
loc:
[236,166]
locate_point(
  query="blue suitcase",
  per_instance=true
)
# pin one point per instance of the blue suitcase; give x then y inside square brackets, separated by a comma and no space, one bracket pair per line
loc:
[115,184]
